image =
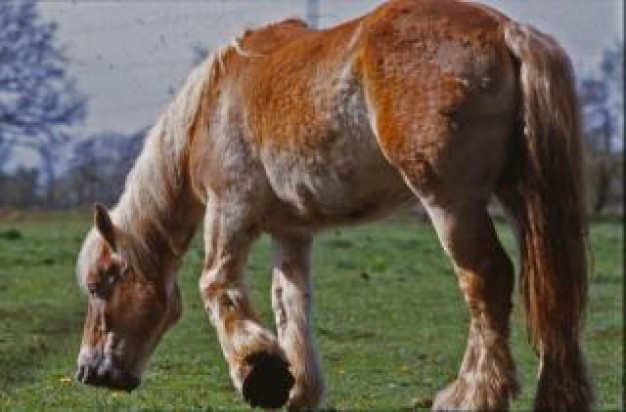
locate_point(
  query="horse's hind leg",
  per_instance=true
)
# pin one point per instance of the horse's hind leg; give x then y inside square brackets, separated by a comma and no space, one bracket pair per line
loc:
[487,378]
[258,366]
[291,300]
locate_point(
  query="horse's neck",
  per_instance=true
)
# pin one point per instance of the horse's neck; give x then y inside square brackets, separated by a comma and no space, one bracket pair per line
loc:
[160,240]
[158,209]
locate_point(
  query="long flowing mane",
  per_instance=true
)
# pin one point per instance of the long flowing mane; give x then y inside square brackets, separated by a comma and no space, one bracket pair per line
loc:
[155,181]
[157,178]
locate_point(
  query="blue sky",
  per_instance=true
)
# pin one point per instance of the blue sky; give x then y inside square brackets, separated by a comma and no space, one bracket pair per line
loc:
[129,56]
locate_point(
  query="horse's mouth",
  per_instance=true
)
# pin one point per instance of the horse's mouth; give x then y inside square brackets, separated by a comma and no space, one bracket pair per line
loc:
[108,376]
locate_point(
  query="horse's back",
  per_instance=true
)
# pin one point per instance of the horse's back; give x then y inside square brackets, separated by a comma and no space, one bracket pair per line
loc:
[340,119]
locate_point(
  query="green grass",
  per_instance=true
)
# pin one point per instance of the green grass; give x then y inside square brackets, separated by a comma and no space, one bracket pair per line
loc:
[390,321]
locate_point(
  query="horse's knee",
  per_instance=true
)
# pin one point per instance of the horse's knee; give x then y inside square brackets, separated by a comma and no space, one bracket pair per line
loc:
[210,290]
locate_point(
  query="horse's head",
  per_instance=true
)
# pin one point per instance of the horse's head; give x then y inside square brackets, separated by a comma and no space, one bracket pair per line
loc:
[128,310]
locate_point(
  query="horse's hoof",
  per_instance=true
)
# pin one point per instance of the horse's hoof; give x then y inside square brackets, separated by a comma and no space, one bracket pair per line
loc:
[269,381]
[478,396]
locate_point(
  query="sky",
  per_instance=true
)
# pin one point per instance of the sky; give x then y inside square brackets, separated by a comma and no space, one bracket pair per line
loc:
[129,56]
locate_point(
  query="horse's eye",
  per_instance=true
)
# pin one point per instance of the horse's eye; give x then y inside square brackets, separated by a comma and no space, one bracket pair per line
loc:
[110,276]
[102,287]
[92,288]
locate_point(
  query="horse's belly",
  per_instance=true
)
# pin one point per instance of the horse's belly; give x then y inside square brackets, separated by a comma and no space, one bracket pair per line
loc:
[327,167]
[346,182]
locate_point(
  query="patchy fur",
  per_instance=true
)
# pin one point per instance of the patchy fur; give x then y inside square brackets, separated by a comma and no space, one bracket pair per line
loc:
[289,131]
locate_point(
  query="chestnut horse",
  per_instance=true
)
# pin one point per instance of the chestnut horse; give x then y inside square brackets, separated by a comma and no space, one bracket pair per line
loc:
[289,130]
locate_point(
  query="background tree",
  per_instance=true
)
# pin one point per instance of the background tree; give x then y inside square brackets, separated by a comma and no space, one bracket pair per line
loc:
[98,167]
[601,96]
[38,101]
[19,189]
[5,154]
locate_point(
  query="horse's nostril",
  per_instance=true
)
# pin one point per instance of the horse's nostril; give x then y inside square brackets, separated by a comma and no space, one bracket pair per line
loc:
[85,375]
[80,374]
[104,371]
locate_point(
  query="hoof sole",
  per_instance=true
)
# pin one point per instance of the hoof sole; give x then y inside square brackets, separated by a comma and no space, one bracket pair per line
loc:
[269,381]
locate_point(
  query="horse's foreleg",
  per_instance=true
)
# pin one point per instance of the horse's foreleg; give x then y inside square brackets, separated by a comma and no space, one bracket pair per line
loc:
[258,366]
[291,300]
[487,378]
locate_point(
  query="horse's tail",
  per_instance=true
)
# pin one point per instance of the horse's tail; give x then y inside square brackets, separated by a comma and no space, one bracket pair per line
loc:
[545,194]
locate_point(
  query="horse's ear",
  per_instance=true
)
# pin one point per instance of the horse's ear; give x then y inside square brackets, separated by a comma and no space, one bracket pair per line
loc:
[103,223]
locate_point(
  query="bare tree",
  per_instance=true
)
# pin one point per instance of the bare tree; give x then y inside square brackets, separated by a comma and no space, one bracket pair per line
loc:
[19,189]
[38,101]
[5,154]
[602,100]
[98,168]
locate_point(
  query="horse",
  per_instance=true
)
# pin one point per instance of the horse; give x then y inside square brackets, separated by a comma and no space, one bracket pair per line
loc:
[289,131]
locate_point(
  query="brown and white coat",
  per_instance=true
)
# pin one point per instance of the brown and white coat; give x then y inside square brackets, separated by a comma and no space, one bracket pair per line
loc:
[289,131]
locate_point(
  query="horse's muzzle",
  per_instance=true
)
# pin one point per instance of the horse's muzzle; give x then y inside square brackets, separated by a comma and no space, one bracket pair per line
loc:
[106,373]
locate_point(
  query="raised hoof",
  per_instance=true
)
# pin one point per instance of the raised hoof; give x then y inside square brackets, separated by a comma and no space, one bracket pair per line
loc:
[269,381]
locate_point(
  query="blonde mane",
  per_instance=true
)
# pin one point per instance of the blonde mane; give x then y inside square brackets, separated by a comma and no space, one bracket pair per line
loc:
[156,180]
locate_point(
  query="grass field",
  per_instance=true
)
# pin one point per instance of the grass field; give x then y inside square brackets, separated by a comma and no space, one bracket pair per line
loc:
[389,318]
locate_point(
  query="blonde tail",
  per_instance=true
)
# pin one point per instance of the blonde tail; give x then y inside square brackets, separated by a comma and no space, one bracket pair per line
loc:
[545,194]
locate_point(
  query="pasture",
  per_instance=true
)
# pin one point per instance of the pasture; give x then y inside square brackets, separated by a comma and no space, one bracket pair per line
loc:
[390,322]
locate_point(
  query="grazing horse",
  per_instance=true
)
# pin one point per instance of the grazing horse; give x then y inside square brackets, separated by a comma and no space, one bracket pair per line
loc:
[289,131]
